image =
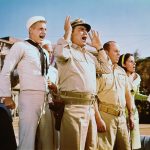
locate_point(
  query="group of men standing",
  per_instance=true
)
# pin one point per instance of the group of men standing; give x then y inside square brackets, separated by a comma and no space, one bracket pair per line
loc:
[88,123]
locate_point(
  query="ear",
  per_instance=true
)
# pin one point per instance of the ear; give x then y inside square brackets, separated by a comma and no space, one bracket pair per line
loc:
[30,29]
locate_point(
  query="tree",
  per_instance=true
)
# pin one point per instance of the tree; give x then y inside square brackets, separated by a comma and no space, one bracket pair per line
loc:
[136,54]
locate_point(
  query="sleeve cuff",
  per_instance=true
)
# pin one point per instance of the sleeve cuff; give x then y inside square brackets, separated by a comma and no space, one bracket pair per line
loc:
[63,42]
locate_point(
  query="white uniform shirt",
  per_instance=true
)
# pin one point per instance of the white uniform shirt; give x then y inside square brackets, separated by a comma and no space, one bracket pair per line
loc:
[27,59]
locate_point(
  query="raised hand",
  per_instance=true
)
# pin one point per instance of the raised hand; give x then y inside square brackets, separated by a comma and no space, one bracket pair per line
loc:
[68,29]
[95,40]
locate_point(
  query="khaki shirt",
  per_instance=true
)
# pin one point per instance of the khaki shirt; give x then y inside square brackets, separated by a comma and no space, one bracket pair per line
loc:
[112,87]
[77,67]
[27,59]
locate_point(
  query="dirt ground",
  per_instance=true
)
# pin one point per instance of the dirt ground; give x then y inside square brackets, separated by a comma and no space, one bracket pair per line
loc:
[144,128]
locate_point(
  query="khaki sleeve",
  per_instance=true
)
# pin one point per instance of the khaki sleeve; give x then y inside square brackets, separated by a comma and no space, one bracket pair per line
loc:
[97,85]
[103,64]
[62,50]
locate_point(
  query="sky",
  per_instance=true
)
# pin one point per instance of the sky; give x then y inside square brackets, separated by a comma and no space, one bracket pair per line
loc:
[125,21]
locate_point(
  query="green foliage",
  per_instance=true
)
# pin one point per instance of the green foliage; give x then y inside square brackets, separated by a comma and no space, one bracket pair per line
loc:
[143,69]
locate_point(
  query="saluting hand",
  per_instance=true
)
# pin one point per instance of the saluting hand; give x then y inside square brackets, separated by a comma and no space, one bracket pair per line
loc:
[95,40]
[68,29]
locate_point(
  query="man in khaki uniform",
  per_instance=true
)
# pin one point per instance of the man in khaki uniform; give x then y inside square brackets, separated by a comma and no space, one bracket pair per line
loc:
[77,84]
[114,95]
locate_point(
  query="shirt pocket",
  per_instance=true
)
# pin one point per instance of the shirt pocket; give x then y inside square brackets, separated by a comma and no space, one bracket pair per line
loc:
[78,57]
[106,81]
[84,63]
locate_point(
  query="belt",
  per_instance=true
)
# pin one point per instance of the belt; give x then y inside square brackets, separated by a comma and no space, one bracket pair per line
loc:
[82,95]
[77,102]
[77,98]
[98,75]
[112,111]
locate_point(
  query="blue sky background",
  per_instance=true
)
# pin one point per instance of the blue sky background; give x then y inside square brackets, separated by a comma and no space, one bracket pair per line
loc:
[125,21]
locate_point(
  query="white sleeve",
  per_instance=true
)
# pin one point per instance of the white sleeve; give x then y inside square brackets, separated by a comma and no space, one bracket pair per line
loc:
[10,62]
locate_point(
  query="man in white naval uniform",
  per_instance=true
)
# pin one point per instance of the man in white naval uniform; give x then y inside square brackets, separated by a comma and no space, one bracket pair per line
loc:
[33,83]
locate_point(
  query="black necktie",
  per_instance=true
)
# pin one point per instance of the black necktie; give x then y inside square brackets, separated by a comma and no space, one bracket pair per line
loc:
[43,58]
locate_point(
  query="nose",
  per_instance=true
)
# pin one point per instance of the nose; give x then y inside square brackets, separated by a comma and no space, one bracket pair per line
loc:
[44,31]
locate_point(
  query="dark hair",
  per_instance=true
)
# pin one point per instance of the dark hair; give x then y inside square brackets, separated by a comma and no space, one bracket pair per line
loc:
[106,46]
[123,58]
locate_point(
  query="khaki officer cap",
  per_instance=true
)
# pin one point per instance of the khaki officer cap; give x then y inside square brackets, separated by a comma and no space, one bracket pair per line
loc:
[78,22]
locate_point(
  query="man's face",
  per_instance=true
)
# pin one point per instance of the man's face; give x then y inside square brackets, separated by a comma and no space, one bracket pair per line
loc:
[114,53]
[38,32]
[79,36]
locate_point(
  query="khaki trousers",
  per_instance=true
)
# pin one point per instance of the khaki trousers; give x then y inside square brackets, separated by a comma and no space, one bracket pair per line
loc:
[78,128]
[116,136]
[45,130]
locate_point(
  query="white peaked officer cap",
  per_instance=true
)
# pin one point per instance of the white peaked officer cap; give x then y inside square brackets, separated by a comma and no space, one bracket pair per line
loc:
[33,20]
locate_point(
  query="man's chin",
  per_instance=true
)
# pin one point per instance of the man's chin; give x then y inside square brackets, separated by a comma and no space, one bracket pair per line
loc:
[40,41]
[83,44]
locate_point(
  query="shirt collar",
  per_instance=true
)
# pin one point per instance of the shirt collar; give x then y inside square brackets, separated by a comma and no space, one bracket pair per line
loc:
[78,48]
[115,66]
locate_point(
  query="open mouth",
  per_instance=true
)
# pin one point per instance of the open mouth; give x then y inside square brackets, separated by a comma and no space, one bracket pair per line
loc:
[42,37]
[84,38]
